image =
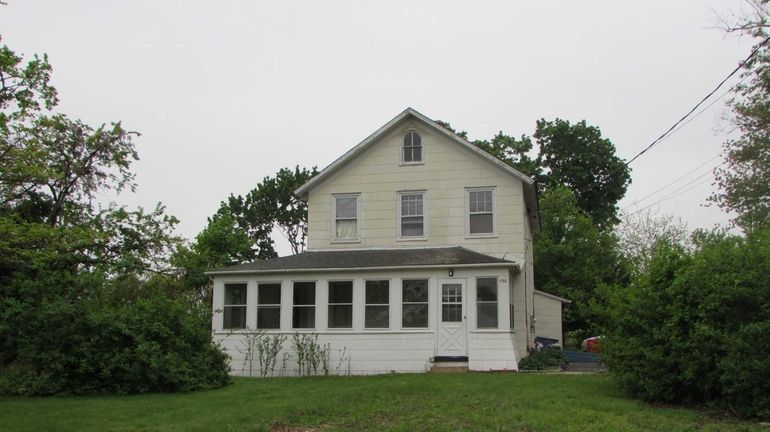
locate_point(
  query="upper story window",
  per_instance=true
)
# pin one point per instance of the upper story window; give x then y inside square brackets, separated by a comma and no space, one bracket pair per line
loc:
[345,213]
[411,214]
[481,211]
[412,149]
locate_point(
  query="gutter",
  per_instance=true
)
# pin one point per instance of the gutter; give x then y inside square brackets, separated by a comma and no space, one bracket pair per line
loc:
[512,265]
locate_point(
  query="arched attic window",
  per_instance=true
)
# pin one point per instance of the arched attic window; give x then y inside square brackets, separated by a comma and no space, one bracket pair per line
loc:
[412,150]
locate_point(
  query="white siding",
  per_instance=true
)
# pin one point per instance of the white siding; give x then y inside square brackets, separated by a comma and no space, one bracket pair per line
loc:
[447,171]
[381,350]
[548,317]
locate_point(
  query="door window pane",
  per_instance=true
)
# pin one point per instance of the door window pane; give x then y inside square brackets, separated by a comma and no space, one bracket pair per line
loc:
[451,302]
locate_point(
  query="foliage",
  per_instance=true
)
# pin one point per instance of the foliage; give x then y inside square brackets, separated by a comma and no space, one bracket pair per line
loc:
[262,347]
[220,244]
[393,402]
[639,232]
[690,328]
[311,356]
[573,257]
[512,151]
[88,301]
[273,204]
[744,179]
[578,157]
[547,358]
[63,345]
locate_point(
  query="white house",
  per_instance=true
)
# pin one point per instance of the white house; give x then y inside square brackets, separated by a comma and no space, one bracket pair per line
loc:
[419,255]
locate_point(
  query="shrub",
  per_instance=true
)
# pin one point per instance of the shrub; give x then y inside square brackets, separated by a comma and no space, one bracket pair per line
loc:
[695,326]
[67,345]
[547,358]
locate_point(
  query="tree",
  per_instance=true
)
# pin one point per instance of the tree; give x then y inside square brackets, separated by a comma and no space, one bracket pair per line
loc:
[273,204]
[86,302]
[639,233]
[573,257]
[744,179]
[578,157]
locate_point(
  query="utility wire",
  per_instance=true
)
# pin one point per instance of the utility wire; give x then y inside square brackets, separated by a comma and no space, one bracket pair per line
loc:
[680,191]
[711,93]
[671,183]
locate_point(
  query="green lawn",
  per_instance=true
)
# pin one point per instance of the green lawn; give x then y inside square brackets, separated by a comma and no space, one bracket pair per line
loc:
[473,401]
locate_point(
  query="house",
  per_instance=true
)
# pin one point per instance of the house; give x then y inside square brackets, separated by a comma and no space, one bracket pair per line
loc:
[419,255]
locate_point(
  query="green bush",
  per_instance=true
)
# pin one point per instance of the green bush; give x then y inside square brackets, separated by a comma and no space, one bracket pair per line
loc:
[547,358]
[66,345]
[695,327]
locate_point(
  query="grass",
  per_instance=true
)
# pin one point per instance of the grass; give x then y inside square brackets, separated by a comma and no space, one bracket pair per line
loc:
[473,401]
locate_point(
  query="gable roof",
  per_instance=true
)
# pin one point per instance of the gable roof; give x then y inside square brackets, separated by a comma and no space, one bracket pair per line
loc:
[347,259]
[530,191]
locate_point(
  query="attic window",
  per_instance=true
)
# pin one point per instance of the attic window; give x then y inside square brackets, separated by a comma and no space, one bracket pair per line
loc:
[412,150]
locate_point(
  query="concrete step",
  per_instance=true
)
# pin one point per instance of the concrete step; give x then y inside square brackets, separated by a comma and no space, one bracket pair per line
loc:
[452,367]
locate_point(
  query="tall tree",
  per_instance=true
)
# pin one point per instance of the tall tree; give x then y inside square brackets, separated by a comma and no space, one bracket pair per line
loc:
[578,157]
[573,257]
[273,204]
[744,179]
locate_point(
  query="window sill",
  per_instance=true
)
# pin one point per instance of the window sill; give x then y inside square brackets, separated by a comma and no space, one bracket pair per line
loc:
[500,331]
[402,163]
[408,239]
[345,241]
[480,236]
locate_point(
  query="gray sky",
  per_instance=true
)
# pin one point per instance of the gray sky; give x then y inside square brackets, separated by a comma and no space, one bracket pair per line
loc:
[228,92]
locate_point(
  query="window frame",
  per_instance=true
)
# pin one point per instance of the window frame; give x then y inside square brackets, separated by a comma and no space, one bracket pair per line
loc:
[367,305]
[399,216]
[329,303]
[468,191]
[333,228]
[426,303]
[403,147]
[294,306]
[260,306]
[244,305]
[496,302]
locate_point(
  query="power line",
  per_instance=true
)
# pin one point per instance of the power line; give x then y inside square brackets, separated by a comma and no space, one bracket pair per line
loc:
[672,182]
[677,192]
[711,93]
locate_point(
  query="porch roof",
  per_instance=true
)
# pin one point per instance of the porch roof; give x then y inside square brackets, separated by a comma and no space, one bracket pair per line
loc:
[360,259]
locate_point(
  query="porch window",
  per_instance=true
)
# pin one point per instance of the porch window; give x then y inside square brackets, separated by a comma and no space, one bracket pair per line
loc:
[481,211]
[234,307]
[345,217]
[303,315]
[377,309]
[486,302]
[412,149]
[341,304]
[269,306]
[411,214]
[414,312]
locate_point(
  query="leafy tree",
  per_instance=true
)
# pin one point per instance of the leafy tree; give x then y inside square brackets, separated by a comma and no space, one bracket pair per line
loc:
[578,157]
[639,233]
[573,257]
[273,204]
[222,243]
[744,179]
[85,304]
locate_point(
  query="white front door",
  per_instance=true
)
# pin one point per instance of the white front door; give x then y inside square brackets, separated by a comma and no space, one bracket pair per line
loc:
[452,328]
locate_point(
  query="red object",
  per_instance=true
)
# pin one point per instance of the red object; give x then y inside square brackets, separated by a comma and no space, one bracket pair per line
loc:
[593,345]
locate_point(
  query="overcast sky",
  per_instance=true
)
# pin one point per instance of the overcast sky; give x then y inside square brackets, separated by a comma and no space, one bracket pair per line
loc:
[225,93]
